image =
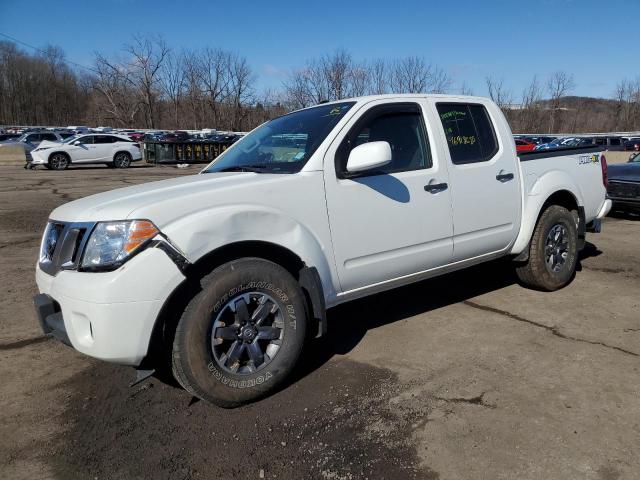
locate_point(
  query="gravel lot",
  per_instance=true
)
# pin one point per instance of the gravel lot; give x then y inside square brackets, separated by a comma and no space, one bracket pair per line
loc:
[466,376]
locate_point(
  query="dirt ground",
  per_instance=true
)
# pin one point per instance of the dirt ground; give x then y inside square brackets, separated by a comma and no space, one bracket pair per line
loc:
[467,376]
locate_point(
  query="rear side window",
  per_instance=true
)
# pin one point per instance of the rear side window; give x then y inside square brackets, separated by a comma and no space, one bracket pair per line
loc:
[103,139]
[469,131]
[614,141]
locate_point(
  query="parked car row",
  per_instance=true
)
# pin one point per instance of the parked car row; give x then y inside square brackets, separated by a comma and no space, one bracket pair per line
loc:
[526,143]
[57,148]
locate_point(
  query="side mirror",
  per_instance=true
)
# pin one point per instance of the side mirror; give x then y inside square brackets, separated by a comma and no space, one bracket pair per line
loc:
[369,156]
[75,142]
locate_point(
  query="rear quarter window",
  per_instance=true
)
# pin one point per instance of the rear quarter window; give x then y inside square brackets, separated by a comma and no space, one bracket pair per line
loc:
[470,134]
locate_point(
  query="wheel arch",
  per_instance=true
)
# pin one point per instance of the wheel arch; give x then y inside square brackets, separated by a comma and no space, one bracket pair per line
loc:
[161,340]
[66,154]
[116,152]
[562,197]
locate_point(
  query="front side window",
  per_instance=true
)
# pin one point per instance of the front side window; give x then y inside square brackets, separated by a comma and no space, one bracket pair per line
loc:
[49,136]
[86,140]
[469,132]
[34,137]
[283,145]
[401,126]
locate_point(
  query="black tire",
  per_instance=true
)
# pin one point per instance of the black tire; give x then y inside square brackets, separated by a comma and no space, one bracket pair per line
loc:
[548,269]
[122,160]
[58,161]
[200,360]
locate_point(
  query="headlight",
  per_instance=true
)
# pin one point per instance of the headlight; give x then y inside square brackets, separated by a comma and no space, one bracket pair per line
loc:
[39,149]
[111,243]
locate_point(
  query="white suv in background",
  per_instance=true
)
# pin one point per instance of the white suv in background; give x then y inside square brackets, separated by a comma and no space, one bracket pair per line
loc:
[114,150]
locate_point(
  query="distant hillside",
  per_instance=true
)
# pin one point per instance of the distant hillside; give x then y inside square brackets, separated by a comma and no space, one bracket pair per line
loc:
[575,115]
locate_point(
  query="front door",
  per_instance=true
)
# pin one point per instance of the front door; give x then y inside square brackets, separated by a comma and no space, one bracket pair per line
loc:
[84,151]
[484,178]
[385,224]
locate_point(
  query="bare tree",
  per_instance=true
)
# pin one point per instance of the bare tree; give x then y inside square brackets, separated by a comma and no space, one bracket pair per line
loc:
[627,96]
[530,111]
[414,75]
[559,85]
[465,89]
[147,57]
[498,92]
[116,87]
[378,77]
[240,89]
[215,78]
[172,81]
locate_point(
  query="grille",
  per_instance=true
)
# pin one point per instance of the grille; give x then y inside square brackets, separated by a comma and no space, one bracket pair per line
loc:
[62,246]
[623,189]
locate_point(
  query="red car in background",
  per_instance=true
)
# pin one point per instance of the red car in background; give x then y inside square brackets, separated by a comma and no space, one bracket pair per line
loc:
[136,136]
[524,146]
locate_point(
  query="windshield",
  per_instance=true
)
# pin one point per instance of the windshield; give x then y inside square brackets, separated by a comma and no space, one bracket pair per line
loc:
[70,139]
[283,145]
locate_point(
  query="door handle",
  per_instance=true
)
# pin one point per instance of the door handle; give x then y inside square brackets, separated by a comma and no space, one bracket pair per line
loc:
[504,177]
[436,187]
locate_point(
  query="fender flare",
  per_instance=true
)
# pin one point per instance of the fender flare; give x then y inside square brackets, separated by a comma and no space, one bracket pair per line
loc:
[537,197]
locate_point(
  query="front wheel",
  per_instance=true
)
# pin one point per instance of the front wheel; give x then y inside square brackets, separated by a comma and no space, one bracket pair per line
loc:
[242,334]
[553,252]
[58,161]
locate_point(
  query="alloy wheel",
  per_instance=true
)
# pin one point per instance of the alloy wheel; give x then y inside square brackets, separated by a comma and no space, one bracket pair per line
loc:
[556,248]
[247,333]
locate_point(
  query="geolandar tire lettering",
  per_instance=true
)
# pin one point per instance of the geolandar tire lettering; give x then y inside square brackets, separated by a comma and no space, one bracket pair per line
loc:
[242,334]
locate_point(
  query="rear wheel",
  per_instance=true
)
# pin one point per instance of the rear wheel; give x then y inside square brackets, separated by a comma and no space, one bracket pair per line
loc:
[242,334]
[122,160]
[58,161]
[553,252]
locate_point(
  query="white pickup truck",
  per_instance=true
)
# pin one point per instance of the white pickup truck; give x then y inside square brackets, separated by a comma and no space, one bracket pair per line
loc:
[222,275]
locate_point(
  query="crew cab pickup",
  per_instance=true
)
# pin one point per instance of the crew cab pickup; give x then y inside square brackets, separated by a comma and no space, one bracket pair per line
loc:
[224,274]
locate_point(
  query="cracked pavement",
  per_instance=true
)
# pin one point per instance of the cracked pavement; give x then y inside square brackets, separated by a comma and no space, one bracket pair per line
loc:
[465,376]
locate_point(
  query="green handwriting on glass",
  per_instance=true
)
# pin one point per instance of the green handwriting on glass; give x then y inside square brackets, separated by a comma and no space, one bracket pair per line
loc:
[462,140]
[453,115]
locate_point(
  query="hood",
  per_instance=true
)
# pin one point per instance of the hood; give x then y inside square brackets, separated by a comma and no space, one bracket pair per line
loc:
[48,143]
[122,203]
[625,171]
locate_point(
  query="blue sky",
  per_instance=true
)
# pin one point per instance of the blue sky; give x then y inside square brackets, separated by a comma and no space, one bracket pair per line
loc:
[469,39]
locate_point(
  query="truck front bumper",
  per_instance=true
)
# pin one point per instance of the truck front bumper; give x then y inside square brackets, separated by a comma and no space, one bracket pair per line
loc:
[108,315]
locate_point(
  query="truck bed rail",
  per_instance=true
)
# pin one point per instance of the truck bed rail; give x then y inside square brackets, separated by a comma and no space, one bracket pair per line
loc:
[557,152]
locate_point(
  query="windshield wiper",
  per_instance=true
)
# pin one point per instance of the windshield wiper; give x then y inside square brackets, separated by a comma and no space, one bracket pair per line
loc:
[244,168]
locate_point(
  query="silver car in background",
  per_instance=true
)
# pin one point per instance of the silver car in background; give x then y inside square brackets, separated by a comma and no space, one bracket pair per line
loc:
[30,140]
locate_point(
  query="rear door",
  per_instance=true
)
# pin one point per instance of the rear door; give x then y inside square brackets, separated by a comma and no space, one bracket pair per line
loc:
[385,224]
[104,147]
[484,178]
